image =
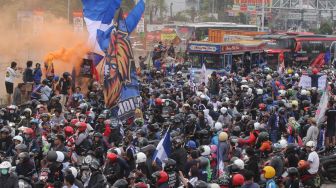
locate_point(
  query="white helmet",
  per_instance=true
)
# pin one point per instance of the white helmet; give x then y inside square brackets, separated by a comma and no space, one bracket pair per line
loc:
[239,163]
[268,77]
[213,185]
[118,150]
[311,144]
[256,126]
[249,91]
[243,86]
[296,75]
[303,92]
[140,158]
[282,93]
[244,81]
[18,138]
[251,80]
[218,126]
[260,91]
[223,110]
[74,171]
[5,164]
[60,156]
[283,143]
[205,150]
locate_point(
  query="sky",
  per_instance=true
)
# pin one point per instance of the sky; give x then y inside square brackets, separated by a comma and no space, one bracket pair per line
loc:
[178,5]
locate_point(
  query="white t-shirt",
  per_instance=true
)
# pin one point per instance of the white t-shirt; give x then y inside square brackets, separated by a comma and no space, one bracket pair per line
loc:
[10,75]
[314,162]
[45,93]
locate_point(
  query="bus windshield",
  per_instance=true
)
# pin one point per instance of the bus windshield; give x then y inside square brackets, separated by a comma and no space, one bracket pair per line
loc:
[212,61]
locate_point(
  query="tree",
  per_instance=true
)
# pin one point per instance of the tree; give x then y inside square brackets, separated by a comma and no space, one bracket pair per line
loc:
[325,28]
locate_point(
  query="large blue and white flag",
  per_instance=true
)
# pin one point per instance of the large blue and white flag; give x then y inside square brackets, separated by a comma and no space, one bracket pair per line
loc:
[163,149]
[98,16]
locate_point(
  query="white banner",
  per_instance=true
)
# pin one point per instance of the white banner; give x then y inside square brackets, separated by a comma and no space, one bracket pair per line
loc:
[322,108]
[305,81]
[78,24]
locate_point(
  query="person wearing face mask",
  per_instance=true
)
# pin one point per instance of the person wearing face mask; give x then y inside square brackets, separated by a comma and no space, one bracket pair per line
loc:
[7,180]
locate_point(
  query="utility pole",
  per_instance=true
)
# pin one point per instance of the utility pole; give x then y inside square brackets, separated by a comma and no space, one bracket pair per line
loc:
[263,16]
[69,11]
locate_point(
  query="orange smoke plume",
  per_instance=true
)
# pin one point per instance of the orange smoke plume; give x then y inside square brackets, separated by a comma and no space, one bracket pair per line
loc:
[65,59]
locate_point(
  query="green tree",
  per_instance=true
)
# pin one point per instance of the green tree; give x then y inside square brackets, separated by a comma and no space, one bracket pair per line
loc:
[325,28]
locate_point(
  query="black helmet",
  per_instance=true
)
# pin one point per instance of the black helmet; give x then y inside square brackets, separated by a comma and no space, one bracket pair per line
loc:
[23,156]
[97,134]
[293,172]
[203,162]
[52,156]
[170,165]
[121,183]
[94,165]
[66,74]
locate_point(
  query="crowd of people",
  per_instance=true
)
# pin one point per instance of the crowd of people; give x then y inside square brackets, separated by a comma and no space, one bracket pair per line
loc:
[245,129]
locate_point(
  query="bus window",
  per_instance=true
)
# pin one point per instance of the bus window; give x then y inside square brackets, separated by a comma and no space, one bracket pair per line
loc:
[195,60]
[213,61]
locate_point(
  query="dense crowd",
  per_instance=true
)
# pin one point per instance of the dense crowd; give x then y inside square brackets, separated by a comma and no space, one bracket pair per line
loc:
[246,129]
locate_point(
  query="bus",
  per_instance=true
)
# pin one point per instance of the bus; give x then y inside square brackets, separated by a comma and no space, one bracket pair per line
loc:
[220,56]
[199,31]
[301,50]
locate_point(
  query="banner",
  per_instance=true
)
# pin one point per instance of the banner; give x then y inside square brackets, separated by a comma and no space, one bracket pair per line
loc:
[78,22]
[322,108]
[121,91]
[168,36]
[305,81]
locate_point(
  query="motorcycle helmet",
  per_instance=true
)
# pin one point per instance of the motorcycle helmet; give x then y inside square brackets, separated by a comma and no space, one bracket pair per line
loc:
[170,165]
[201,184]
[81,126]
[140,158]
[293,172]
[191,144]
[23,156]
[238,180]
[218,126]
[98,134]
[121,183]
[205,150]
[60,157]
[28,131]
[5,165]
[259,91]
[68,130]
[203,162]
[240,163]
[223,110]
[283,143]
[18,138]
[27,111]
[277,148]
[21,147]
[303,164]
[160,177]
[269,172]
[52,156]
[140,185]
[311,144]
[73,171]
[177,142]
[74,121]
[256,126]
[263,136]
[94,165]
[262,106]
[223,136]
[213,148]
[223,180]
[236,131]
